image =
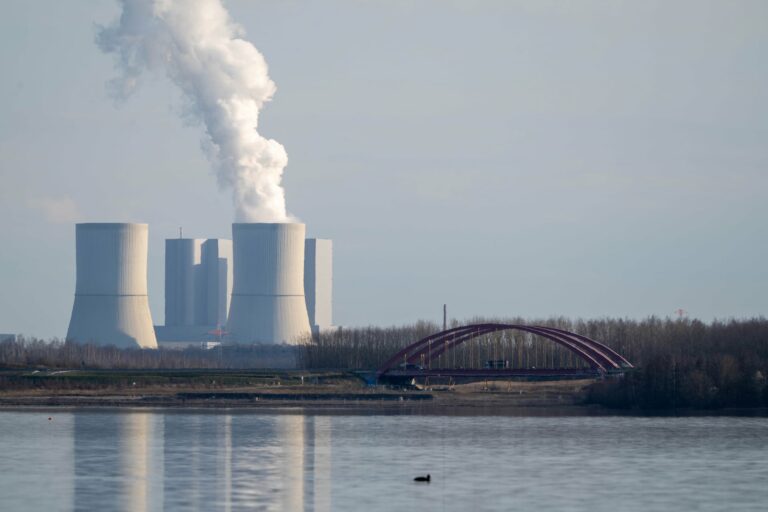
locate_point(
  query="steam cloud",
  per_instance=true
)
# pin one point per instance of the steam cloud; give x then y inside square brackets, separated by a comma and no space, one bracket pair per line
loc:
[225,79]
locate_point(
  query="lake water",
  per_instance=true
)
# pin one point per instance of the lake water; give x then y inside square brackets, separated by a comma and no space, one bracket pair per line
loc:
[230,460]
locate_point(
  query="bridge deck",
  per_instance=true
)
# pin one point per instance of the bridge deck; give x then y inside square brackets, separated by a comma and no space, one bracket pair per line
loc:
[495,373]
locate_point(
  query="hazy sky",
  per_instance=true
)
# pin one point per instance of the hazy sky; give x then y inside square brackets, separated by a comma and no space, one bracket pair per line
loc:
[507,158]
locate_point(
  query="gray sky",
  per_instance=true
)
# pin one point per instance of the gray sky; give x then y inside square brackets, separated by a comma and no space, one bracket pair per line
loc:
[532,158]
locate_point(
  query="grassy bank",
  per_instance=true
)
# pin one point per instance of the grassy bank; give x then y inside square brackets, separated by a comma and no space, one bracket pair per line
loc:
[323,390]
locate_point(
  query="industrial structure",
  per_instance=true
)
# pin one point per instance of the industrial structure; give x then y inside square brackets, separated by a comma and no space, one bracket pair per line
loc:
[111,305]
[268,304]
[198,283]
[318,283]
[248,290]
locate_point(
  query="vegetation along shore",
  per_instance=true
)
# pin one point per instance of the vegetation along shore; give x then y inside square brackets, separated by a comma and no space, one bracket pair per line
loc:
[680,364]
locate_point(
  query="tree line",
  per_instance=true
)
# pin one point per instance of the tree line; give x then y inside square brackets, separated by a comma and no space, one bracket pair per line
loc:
[679,362]
[688,364]
[56,354]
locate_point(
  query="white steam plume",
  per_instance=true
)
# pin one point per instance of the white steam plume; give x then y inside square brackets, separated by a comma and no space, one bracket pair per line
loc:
[225,79]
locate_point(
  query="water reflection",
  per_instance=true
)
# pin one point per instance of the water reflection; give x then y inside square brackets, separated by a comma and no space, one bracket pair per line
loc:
[320,441]
[36,461]
[291,435]
[118,461]
[141,461]
[179,460]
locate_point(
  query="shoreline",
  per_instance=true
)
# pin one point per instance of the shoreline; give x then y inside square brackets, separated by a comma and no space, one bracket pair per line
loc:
[305,392]
[429,405]
[261,391]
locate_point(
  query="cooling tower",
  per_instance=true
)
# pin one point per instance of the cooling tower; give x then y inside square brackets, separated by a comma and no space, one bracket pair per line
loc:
[268,290]
[111,306]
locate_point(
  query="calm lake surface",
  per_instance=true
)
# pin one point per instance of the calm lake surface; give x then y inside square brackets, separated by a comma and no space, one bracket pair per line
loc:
[230,460]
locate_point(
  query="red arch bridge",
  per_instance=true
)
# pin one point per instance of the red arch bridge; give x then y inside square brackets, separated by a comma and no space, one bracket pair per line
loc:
[419,358]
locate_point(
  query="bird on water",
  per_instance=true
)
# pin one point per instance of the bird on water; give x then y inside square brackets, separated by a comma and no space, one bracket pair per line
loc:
[422,478]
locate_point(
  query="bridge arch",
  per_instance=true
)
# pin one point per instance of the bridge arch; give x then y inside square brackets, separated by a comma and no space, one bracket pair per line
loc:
[598,356]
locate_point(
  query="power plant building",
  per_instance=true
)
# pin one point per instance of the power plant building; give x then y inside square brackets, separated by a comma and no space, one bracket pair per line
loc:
[198,283]
[111,305]
[268,285]
[318,282]
[184,299]
[268,304]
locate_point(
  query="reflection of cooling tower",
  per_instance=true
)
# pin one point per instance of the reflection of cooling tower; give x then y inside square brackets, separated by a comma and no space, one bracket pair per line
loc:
[268,291]
[111,306]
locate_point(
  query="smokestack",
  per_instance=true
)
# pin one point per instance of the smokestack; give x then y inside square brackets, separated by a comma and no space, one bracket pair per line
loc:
[445,316]
[111,306]
[268,291]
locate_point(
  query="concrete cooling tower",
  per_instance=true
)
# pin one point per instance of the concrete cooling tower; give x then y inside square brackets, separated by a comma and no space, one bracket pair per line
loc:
[111,306]
[268,284]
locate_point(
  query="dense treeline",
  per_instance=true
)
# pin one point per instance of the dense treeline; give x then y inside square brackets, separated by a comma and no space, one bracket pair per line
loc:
[370,347]
[686,363]
[360,348]
[35,353]
[680,363]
